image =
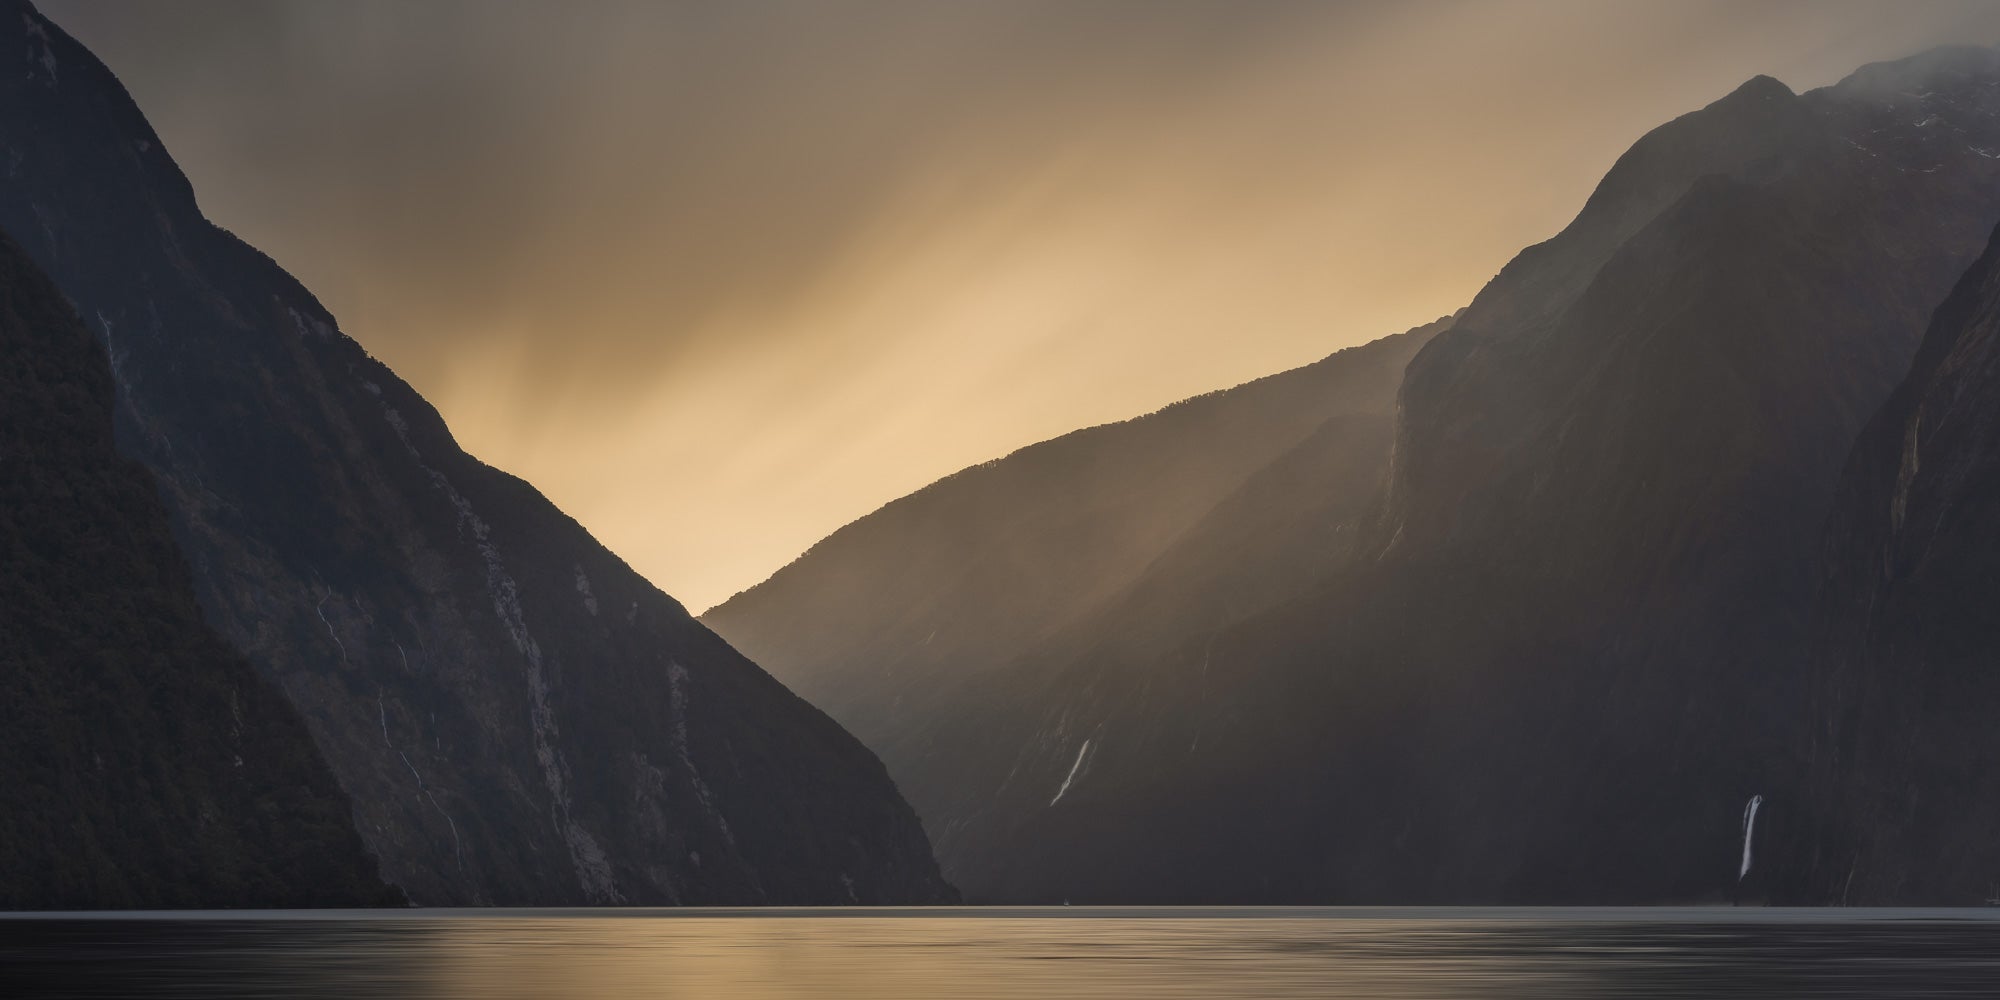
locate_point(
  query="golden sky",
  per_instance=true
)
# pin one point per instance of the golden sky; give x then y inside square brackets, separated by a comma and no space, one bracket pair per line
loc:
[720,277]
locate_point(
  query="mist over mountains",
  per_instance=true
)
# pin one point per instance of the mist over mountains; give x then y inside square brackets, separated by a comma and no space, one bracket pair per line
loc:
[1679,523]
[1565,637]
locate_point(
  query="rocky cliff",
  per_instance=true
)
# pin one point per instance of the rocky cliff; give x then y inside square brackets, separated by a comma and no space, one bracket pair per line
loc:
[1904,689]
[518,717]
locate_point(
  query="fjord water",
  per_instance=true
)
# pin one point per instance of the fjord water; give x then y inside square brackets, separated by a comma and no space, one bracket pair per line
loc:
[1040,952]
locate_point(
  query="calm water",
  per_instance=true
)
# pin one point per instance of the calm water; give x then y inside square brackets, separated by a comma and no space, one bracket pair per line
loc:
[966,955]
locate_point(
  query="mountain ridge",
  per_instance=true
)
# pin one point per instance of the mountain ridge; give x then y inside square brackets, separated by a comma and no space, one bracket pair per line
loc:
[1580,599]
[517,717]
[1218,437]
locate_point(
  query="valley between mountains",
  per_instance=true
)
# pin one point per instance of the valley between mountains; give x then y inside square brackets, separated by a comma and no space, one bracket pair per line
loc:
[1661,572]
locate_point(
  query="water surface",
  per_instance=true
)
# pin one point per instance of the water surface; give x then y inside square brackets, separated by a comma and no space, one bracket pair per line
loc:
[966,954]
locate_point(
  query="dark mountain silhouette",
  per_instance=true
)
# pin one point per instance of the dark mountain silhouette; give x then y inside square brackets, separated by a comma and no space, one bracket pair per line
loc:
[1557,655]
[517,716]
[1905,691]
[146,764]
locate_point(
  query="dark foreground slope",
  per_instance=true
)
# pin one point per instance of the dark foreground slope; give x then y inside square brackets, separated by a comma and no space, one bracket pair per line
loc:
[1908,630]
[143,763]
[517,716]
[1558,656]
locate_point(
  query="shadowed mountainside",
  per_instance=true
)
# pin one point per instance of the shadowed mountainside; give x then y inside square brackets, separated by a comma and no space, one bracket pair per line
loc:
[1905,691]
[517,716]
[1558,654]
[146,763]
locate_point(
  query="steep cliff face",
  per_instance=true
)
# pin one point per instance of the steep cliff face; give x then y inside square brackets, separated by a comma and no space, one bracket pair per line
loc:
[1638,473]
[1561,652]
[143,763]
[1575,659]
[1905,688]
[517,716]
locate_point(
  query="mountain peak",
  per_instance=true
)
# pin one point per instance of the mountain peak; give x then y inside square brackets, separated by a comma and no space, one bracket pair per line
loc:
[1759,88]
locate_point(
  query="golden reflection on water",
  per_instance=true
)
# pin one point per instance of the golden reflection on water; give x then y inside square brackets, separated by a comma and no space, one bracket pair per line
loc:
[972,954]
[898,957]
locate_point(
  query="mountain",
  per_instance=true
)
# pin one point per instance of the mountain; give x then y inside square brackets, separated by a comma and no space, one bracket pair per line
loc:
[1904,689]
[894,610]
[517,716]
[1559,651]
[146,764]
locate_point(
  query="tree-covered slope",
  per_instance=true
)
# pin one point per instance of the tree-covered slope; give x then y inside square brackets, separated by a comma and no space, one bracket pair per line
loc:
[143,763]
[518,717]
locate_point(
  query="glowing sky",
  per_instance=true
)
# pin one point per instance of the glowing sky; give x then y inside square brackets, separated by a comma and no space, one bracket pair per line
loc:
[721,277]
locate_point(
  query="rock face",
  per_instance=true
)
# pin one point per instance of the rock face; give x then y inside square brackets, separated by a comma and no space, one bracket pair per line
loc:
[1905,689]
[143,763]
[1560,652]
[518,717]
